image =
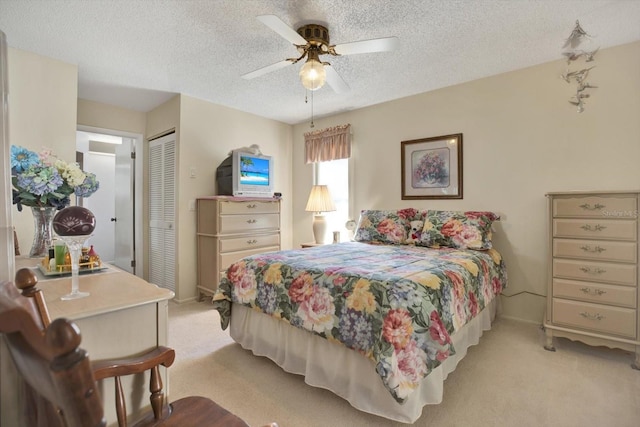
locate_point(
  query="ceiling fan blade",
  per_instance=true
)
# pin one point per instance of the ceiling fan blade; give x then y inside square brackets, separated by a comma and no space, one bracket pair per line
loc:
[335,81]
[367,46]
[277,25]
[269,68]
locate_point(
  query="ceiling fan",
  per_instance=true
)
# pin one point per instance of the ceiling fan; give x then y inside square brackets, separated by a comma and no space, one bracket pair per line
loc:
[312,41]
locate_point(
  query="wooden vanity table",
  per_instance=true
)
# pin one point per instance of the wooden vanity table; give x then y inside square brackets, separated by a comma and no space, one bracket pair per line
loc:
[124,315]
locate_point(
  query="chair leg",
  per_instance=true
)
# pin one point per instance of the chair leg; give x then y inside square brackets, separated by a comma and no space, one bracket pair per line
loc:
[157,395]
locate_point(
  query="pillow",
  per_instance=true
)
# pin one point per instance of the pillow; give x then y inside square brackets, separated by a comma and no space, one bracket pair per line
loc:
[461,230]
[386,226]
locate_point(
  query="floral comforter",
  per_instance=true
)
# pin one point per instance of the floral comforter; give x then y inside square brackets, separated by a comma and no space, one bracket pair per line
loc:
[395,304]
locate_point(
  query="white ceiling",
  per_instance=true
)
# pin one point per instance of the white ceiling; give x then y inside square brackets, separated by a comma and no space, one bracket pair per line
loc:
[138,53]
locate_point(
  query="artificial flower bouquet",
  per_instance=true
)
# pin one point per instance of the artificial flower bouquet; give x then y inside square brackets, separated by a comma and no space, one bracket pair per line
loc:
[43,180]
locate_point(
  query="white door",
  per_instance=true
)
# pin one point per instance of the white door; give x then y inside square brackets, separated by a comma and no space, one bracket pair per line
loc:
[101,203]
[162,203]
[124,256]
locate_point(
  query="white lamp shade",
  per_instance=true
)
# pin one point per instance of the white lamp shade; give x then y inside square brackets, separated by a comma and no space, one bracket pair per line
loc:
[320,200]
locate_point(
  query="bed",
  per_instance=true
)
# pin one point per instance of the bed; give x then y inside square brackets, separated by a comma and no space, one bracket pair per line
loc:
[380,321]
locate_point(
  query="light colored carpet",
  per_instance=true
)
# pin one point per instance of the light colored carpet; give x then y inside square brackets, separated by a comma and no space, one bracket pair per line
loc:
[507,380]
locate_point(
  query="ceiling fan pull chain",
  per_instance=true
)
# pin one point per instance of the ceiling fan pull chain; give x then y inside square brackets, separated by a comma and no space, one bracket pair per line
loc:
[312,125]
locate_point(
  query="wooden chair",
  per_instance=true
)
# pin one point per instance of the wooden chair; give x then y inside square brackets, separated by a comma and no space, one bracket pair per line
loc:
[49,358]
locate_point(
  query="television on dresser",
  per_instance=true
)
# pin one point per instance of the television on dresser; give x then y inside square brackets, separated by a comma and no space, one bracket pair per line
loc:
[244,174]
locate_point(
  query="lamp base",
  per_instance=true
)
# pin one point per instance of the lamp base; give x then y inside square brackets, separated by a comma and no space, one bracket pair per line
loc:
[319,229]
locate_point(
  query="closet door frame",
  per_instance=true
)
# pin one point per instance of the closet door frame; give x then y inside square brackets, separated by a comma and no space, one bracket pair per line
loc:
[163,250]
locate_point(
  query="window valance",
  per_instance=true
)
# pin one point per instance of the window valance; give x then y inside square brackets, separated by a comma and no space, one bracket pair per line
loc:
[328,144]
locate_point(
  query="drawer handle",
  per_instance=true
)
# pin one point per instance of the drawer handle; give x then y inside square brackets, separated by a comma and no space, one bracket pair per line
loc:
[597,249]
[595,207]
[252,242]
[252,206]
[252,221]
[590,316]
[594,291]
[597,227]
[596,270]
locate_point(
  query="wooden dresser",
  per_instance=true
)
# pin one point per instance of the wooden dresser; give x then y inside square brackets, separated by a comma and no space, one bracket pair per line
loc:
[593,269]
[231,228]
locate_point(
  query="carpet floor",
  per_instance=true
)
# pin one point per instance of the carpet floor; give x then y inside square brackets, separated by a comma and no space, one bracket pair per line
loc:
[507,380]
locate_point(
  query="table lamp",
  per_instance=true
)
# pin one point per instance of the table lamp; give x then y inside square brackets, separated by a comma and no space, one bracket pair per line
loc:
[320,201]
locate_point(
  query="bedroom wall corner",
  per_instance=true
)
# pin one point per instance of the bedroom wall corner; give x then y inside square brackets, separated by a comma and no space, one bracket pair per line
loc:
[207,133]
[521,139]
[43,94]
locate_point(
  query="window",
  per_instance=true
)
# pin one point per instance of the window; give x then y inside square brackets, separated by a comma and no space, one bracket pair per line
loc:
[335,175]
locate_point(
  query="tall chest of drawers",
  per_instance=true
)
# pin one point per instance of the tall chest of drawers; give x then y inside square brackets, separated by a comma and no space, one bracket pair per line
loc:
[231,228]
[593,269]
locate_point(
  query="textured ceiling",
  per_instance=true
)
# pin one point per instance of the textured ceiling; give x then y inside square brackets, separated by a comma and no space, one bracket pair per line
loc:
[138,53]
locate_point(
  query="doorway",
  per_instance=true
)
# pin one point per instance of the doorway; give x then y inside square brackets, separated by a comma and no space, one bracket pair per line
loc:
[116,159]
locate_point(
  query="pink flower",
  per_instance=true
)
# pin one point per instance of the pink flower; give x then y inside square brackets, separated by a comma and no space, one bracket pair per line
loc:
[437,329]
[301,288]
[467,236]
[339,281]
[457,281]
[397,328]
[412,362]
[442,355]
[236,271]
[408,368]
[481,215]
[390,229]
[318,311]
[451,228]
[460,314]
[473,304]
[497,286]
[407,213]
[245,289]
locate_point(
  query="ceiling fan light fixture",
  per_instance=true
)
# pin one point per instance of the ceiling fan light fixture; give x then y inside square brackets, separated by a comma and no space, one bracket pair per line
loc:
[312,73]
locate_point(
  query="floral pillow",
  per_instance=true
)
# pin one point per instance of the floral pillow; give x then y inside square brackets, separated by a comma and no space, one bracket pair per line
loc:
[462,230]
[386,226]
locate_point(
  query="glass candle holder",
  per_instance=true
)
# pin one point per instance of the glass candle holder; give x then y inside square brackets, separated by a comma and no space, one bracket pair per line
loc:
[74,245]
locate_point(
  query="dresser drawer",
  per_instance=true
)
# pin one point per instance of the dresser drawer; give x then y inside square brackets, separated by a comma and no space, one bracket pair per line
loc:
[595,317]
[249,207]
[595,207]
[595,249]
[595,228]
[233,244]
[248,223]
[622,274]
[624,296]
[230,257]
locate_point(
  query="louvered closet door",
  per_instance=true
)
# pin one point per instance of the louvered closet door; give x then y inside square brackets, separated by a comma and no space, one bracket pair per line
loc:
[162,203]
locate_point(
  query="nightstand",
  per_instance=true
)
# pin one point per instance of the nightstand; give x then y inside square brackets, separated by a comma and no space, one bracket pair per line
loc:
[311,245]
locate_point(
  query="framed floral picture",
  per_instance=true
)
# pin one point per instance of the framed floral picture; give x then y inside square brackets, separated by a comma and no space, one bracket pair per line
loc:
[432,168]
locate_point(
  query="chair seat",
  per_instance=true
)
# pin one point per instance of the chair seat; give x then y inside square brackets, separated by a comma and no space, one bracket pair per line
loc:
[195,411]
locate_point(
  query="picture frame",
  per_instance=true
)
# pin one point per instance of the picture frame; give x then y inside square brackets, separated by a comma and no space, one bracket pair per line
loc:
[432,168]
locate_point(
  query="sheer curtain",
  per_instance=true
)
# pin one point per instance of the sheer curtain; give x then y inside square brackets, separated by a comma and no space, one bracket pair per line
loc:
[328,144]
[329,150]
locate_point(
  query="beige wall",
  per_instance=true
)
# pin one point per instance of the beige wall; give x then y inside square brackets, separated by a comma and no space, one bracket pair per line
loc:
[521,139]
[205,133]
[42,113]
[104,116]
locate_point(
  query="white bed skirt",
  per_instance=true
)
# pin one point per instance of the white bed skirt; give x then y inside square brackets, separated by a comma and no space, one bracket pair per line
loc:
[343,371]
